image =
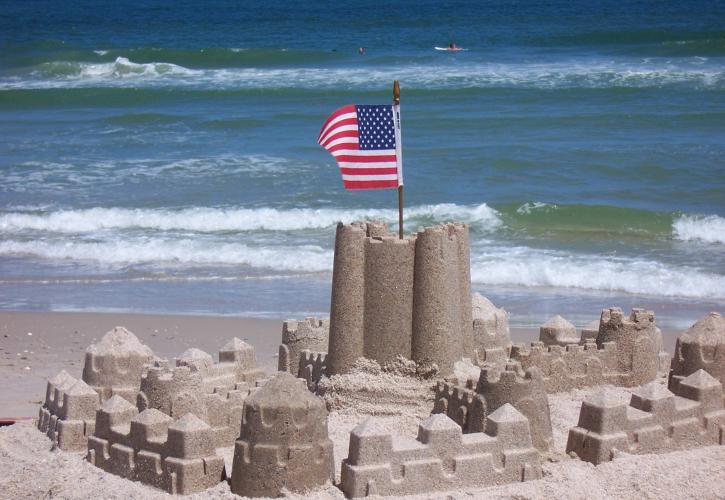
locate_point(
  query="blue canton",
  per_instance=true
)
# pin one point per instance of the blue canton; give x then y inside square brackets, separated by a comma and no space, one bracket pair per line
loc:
[375,127]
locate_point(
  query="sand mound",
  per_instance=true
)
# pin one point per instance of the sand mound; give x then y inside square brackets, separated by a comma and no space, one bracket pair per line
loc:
[370,389]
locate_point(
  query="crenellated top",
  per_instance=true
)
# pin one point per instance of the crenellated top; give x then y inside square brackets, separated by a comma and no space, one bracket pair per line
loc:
[151,430]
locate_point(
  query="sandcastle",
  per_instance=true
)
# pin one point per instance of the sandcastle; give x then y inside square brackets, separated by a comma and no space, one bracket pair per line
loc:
[656,420]
[408,297]
[310,334]
[283,442]
[441,458]
[176,455]
[68,414]
[115,364]
[491,336]
[558,331]
[470,405]
[627,352]
[214,392]
[701,347]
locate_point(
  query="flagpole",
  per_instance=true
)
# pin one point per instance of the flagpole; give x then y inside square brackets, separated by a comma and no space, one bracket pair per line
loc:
[396,104]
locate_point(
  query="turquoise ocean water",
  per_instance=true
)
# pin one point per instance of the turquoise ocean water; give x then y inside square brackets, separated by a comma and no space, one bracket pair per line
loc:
[162,158]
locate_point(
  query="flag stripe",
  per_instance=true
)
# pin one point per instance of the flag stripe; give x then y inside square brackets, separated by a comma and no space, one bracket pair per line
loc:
[345,110]
[363,141]
[354,185]
[340,133]
[382,164]
[365,159]
[348,173]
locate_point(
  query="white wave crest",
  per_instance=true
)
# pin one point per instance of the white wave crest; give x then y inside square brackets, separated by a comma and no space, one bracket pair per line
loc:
[306,258]
[122,67]
[207,220]
[522,266]
[555,74]
[710,228]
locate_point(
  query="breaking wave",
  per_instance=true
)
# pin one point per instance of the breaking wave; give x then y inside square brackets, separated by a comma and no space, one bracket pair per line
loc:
[206,220]
[123,72]
[522,266]
[307,258]
[709,228]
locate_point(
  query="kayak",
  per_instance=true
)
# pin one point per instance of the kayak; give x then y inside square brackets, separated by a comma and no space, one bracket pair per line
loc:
[447,49]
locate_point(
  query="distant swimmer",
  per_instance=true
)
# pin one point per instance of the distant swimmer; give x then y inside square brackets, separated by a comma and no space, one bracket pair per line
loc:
[361,51]
[452,47]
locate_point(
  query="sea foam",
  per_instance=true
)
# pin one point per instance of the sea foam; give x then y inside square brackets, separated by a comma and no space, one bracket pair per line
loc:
[709,228]
[205,220]
[524,266]
[574,73]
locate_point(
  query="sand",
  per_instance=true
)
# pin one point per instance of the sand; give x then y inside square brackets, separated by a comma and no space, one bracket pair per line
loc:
[32,469]
[59,341]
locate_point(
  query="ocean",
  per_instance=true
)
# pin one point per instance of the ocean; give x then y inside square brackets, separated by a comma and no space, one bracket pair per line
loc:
[162,157]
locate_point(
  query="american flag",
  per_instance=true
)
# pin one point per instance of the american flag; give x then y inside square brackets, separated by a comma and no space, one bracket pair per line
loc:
[365,141]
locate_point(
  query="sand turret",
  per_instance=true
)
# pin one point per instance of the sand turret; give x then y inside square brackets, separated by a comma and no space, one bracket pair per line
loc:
[115,364]
[394,297]
[558,331]
[702,346]
[309,334]
[283,442]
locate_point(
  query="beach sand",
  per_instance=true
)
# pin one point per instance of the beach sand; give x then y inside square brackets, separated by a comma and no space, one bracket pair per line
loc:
[31,469]
[59,340]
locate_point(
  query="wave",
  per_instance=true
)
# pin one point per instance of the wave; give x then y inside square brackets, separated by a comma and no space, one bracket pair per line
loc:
[537,218]
[497,265]
[523,266]
[208,220]
[585,73]
[307,258]
[707,228]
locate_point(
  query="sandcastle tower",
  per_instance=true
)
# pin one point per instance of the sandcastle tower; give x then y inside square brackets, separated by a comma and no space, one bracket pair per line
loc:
[174,392]
[408,297]
[638,340]
[115,364]
[283,442]
[310,334]
[558,331]
[491,335]
[702,346]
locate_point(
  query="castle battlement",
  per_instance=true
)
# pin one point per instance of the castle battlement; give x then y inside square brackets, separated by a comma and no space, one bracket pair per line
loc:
[626,352]
[408,297]
[310,334]
[655,420]
[237,363]
[198,389]
[469,405]
[441,458]
[69,411]
[312,366]
[176,455]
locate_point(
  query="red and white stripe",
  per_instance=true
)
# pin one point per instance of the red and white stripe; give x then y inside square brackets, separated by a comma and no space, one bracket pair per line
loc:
[370,169]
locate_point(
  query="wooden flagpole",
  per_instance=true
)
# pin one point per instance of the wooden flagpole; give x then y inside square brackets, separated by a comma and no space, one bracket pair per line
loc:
[396,102]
